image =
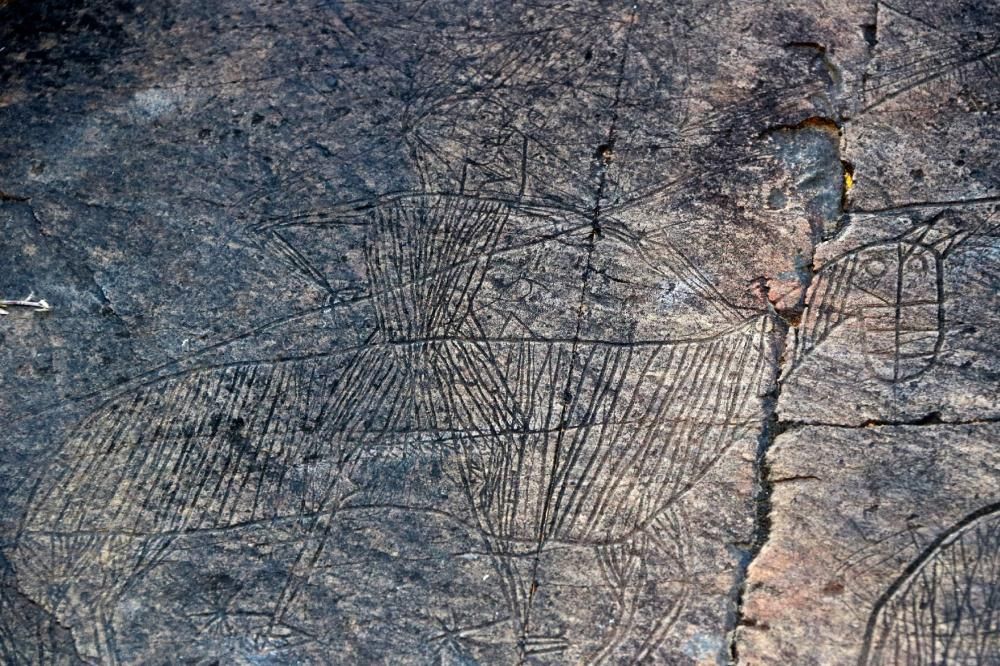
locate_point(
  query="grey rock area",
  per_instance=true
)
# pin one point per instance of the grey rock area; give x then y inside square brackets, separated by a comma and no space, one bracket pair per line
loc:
[499,333]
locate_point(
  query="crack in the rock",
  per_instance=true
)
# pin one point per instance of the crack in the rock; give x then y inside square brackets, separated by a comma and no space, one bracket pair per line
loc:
[770,429]
[8,197]
[786,320]
[794,478]
[929,419]
[830,67]
[870,33]
[771,425]
[815,122]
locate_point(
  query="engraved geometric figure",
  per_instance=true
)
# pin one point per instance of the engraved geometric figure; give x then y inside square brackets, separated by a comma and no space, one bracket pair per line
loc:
[901,303]
[945,608]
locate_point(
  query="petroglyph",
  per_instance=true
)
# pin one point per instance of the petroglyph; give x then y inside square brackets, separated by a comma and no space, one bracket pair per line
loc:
[452,333]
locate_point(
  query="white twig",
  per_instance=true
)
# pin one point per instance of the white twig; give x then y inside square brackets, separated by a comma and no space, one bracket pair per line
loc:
[27,302]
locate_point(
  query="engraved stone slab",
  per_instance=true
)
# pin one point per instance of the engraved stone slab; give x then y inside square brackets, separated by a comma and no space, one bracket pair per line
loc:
[504,333]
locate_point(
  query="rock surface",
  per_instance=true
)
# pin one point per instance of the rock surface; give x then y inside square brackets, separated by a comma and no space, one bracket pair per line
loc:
[470,332]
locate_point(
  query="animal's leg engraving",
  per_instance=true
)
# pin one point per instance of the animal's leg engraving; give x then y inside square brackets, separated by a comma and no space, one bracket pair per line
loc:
[623,569]
[105,647]
[667,538]
[633,571]
[305,562]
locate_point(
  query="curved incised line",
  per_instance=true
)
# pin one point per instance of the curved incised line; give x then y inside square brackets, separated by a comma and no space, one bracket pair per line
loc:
[943,540]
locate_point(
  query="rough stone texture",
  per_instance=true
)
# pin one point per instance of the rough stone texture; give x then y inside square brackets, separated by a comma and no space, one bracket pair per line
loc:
[471,332]
[858,516]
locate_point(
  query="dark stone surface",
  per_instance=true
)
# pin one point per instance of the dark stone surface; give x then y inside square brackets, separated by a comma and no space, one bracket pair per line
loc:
[471,332]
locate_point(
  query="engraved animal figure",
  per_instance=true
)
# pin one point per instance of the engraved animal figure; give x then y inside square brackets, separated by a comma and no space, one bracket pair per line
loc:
[589,443]
[221,447]
[586,443]
[945,607]
[891,298]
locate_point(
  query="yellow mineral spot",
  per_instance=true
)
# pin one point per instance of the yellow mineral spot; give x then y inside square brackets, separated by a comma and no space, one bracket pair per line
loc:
[848,180]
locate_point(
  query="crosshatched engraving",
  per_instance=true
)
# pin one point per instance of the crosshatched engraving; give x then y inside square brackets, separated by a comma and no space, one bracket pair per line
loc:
[581,442]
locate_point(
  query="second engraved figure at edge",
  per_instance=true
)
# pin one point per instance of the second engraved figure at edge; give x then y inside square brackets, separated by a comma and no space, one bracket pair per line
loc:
[890,296]
[945,607]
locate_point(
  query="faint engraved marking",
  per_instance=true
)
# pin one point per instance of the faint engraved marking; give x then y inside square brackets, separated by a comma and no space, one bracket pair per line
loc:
[940,54]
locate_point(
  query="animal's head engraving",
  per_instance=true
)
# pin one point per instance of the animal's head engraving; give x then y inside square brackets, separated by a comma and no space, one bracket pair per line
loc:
[419,259]
[426,259]
[887,297]
[899,296]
